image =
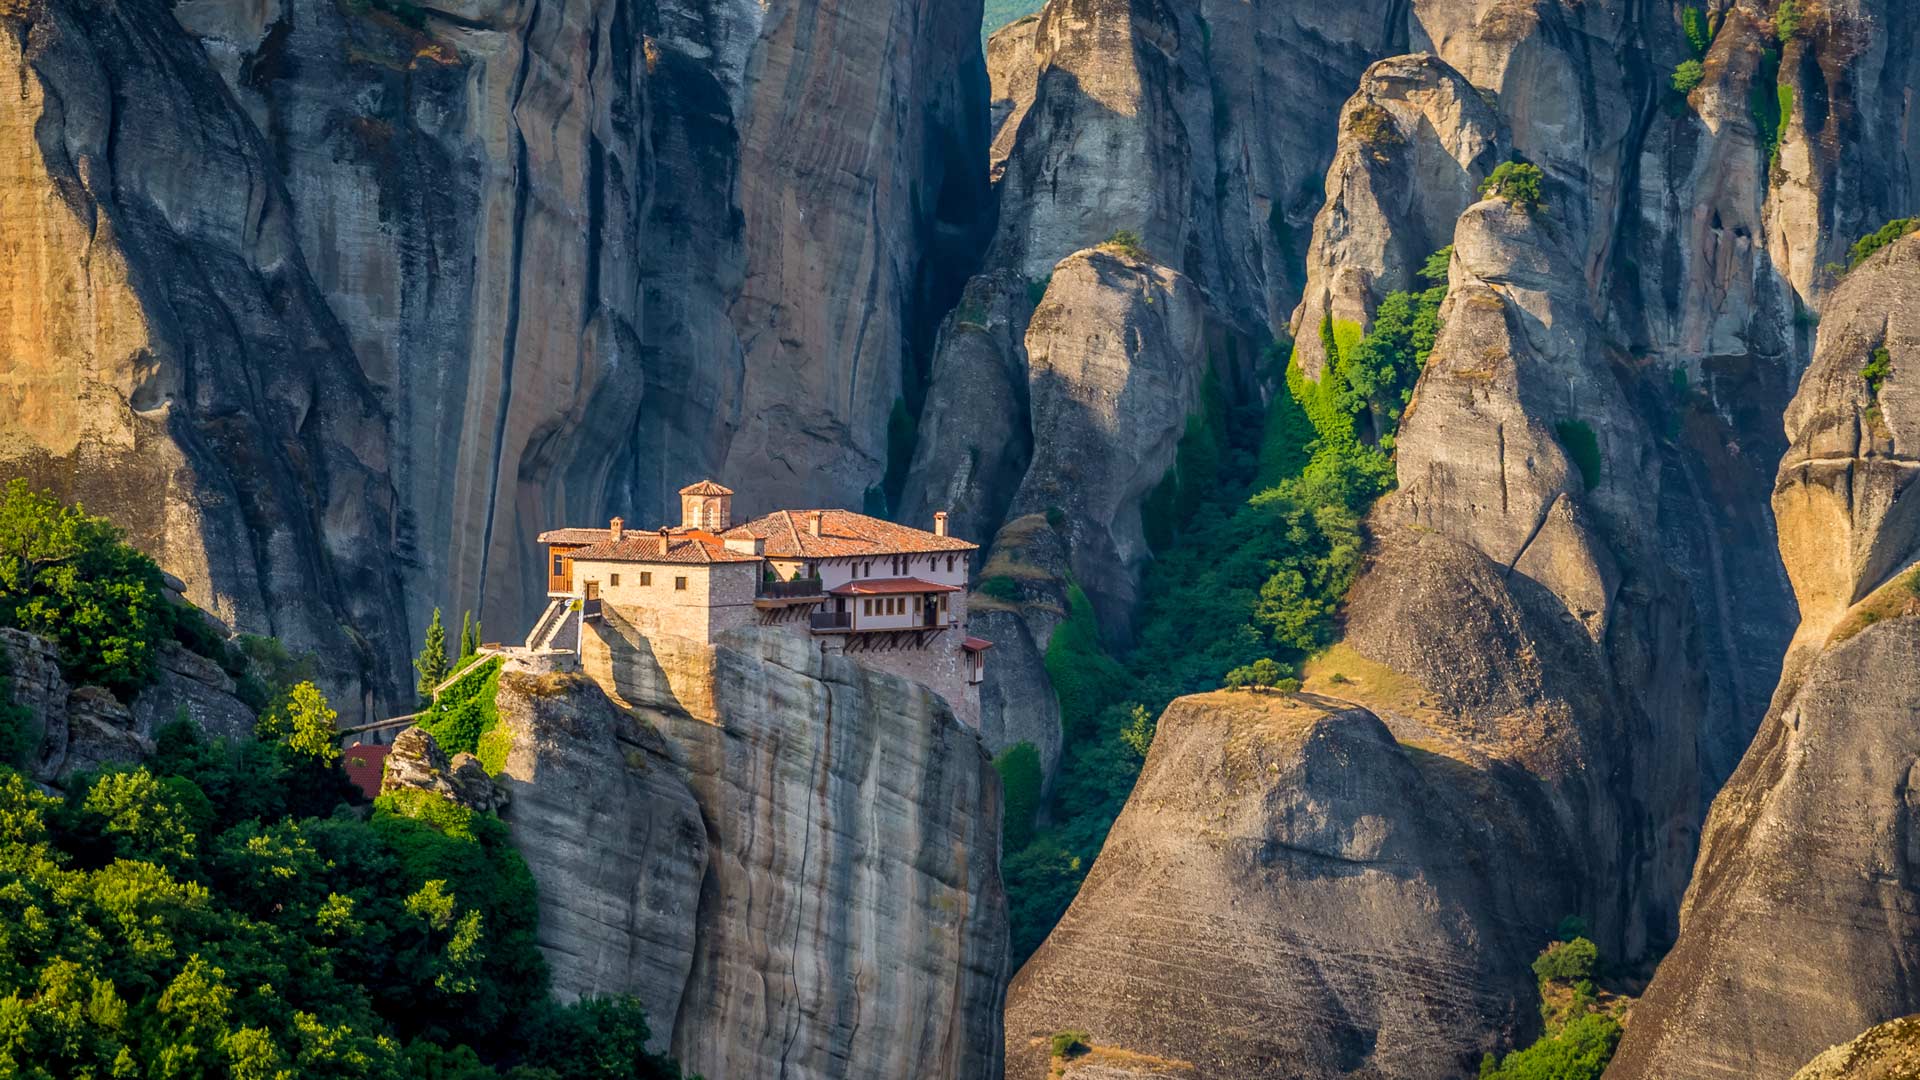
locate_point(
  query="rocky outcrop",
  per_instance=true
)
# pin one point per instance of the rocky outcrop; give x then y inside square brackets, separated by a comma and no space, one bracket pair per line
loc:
[850,921]
[86,727]
[1801,910]
[1890,1051]
[168,358]
[613,836]
[1282,856]
[417,763]
[1417,140]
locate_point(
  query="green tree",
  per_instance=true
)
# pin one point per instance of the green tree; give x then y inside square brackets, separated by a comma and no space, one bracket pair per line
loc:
[469,637]
[1879,366]
[1518,182]
[73,579]
[1688,76]
[1139,734]
[308,725]
[1786,20]
[1568,961]
[1699,31]
[1020,783]
[432,661]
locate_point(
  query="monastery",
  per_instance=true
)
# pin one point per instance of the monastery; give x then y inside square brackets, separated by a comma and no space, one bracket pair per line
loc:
[890,597]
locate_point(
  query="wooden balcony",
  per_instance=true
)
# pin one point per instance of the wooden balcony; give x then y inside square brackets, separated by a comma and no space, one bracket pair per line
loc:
[832,622]
[784,593]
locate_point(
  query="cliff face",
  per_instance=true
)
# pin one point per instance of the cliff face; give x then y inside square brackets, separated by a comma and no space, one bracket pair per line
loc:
[1801,906]
[1333,864]
[443,276]
[792,860]
[166,356]
[1887,1052]
[1574,597]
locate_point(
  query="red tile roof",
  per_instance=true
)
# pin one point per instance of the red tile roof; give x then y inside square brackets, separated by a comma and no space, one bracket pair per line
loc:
[646,548]
[893,586]
[705,487]
[843,533]
[574,536]
[366,766]
[976,644]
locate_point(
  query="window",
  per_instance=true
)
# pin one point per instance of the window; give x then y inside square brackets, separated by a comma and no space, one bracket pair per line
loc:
[943,605]
[679,584]
[558,569]
[949,564]
[613,581]
[869,572]
[646,577]
[866,607]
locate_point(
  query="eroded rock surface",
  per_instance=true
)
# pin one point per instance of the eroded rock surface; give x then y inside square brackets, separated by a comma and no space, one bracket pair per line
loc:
[1890,1051]
[1801,909]
[613,837]
[851,921]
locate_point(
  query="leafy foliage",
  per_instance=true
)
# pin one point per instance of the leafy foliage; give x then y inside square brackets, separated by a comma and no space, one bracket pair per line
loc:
[1268,506]
[212,915]
[1580,1034]
[1771,104]
[1567,961]
[1020,780]
[1004,589]
[1518,182]
[465,711]
[303,722]
[1865,248]
[1875,373]
[1688,76]
[470,632]
[1128,243]
[1786,20]
[431,664]
[1069,1043]
[1698,29]
[73,579]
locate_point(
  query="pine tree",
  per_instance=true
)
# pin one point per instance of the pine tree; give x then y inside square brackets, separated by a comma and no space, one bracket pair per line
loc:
[432,661]
[469,637]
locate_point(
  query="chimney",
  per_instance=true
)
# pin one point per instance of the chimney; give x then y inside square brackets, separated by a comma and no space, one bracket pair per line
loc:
[619,529]
[813,522]
[666,541]
[939,523]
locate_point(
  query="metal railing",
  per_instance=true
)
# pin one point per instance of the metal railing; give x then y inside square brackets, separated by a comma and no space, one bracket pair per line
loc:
[832,620]
[804,588]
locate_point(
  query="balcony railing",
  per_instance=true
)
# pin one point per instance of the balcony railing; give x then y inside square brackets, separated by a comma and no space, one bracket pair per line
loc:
[832,620]
[803,589]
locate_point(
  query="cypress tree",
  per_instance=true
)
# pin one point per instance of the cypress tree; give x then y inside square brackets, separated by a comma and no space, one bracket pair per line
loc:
[432,661]
[469,637]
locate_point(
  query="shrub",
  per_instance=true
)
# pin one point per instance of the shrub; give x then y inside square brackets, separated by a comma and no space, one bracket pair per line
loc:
[1020,780]
[465,711]
[1583,446]
[1128,243]
[1579,1051]
[1786,20]
[1004,589]
[1287,686]
[1567,961]
[1069,1043]
[1876,372]
[1699,32]
[1374,128]
[1688,76]
[1868,245]
[1518,182]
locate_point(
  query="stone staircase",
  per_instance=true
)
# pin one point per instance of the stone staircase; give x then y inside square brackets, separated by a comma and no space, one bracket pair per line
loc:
[555,630]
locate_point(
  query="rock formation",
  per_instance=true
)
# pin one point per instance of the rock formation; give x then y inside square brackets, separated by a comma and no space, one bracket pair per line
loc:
[86,727]
[1801,909]
[444,275]
[1573,599]
[417,763]
[612,835]
[1890,1051]
[1303,885]
[167,357]
[806,878]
